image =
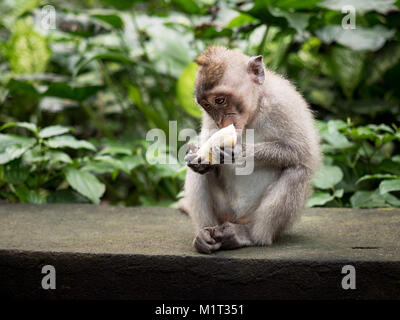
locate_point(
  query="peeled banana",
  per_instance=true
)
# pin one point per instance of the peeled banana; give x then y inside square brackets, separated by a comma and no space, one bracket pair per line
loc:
[226,137]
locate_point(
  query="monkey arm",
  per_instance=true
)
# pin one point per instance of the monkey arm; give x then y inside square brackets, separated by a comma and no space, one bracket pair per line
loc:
[277,153]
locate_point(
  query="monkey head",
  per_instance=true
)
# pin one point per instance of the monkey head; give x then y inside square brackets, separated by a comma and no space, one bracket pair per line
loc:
[228,85]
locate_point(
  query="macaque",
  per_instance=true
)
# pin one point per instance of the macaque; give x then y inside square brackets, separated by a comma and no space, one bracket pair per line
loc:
[228,210]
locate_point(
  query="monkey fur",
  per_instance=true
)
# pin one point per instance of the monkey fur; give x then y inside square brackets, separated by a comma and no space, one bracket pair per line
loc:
[231,211]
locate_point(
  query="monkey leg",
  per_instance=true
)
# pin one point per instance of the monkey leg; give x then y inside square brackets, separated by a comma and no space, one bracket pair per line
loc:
[199,200]
[199,205]
[281,205]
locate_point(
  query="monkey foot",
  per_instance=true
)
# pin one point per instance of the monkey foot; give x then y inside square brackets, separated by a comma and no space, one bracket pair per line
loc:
[225,236]
[204,242]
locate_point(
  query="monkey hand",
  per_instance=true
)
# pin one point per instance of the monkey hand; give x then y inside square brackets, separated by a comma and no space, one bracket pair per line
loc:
[195,162]
[225,155]
[204,241]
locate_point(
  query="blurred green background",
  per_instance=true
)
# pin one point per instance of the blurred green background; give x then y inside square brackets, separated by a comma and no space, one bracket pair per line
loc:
[78,93]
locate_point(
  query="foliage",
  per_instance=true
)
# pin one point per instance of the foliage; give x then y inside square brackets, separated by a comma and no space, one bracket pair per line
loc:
[112,70]
[53,166]
[361,168]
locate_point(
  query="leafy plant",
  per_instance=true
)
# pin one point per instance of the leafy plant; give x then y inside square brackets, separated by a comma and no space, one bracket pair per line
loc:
[361,168]
[32,166]
[112,70]
[52,166]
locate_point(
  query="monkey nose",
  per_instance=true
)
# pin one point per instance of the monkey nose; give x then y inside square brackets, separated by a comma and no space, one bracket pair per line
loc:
[224,123]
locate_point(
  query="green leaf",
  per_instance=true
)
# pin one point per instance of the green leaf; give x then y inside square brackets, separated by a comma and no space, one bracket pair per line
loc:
[13,147]
[327,177]
[21,6]
[371,39]
[7,140]
[212,32]
[29,196]
[389,165]
[377,176]
[53,131]
[330,133]
[367,199]
[385,59]
[115,163]
[85,183]
[167,170]
[392,200]
[107,56]
[185,90]
[114,149]
[338,193]
[240,20]
[11,153]
[361,6]
[58,157]
[381,127]
[322,97]
[334,125]
[294,4]
[120,4]
[296,20]
[68,141]
[111,19]
[131,162]
[16,173]
[363,133]
[152,116]
[26,125]
[35,197]
[76,93]
[389,185]
[318,199]
[66,196]
[189,6]
[286,4]
[27,50]
[98,167]
[347,66]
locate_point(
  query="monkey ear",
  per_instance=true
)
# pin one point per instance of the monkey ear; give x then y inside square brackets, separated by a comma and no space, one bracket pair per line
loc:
[255,67]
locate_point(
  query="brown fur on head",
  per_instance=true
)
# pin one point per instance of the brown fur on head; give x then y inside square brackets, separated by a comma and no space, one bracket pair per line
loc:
[226,85]
[212,68]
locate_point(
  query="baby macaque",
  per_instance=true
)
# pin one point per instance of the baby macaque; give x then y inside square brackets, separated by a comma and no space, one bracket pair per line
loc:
[229,210]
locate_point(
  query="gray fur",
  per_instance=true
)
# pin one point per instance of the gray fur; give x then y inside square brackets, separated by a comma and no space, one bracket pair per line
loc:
[286,154]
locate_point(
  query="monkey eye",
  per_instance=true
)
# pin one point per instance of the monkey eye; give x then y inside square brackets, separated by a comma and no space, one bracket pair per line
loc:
[219,100]
[207,106]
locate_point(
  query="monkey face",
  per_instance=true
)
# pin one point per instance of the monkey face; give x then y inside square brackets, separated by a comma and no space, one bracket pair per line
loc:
[227,85]
[225,108]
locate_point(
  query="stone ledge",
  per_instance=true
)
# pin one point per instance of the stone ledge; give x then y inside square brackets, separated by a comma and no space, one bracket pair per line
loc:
[145,253]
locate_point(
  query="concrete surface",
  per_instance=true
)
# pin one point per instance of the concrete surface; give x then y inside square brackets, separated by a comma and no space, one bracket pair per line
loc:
[102,252]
